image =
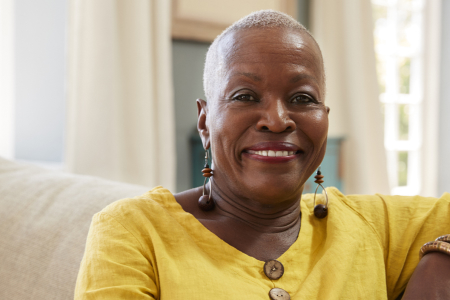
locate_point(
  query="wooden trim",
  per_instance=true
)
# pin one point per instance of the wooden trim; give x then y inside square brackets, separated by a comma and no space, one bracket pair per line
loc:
[190,29]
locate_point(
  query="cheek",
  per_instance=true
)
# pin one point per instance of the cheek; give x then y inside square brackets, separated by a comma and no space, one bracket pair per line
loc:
[314,125]
[218,124]
[228,124]
[224,132]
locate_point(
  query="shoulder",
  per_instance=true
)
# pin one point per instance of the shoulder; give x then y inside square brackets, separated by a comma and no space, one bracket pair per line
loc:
[397,205]
[400,220]
[377,202]
[346,211]
[141,210]
[380,210]
[336,198]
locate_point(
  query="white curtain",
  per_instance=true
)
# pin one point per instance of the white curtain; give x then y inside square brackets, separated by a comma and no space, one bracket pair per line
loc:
[344,31]
[120,96]
[431,77]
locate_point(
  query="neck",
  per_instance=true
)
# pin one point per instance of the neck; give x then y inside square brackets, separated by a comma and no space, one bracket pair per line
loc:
[276,218]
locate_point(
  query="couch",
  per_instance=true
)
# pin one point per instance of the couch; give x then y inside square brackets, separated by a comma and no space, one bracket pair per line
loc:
[44,221]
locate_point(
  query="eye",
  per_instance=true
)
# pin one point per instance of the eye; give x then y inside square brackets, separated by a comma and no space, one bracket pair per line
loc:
[244,97]
[303,98]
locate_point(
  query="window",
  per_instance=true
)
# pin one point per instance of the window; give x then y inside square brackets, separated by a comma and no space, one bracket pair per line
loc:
[398,47]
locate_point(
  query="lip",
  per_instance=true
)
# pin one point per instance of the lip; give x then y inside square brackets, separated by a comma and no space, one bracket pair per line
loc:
[274,146]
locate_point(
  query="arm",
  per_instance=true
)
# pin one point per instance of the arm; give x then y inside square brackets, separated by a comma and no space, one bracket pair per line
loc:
[431,278]
[114,265]
[404,224]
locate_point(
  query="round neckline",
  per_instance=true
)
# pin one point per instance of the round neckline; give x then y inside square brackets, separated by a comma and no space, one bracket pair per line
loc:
[296,259]
[204,235]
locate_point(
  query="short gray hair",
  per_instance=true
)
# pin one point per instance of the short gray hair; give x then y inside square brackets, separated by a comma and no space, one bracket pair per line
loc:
[214,66]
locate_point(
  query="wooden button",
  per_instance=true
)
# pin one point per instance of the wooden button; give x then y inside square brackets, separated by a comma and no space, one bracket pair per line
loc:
[279,294]
[273,269]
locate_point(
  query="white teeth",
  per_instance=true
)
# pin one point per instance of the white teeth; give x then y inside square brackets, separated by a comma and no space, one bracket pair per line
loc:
[272,153]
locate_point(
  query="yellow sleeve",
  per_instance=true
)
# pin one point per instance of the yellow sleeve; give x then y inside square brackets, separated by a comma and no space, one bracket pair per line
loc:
[403,225]
[114,265]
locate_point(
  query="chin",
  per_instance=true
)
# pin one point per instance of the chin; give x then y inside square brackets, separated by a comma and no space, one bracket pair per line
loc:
[277,190]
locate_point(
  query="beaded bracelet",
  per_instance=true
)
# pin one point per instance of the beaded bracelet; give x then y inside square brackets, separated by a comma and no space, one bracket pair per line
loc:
[444,238]
[439,245]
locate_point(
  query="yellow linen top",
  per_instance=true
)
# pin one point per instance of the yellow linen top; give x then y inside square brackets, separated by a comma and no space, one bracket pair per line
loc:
[367,247]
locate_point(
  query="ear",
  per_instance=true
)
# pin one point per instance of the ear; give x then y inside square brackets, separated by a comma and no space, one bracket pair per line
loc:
[202,124]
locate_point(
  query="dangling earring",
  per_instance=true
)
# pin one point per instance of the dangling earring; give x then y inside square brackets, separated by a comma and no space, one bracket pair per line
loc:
[205,202]
[320,210]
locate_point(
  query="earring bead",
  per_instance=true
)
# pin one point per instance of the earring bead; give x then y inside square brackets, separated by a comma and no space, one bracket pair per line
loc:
[320,210]
[205,203]
[207,172]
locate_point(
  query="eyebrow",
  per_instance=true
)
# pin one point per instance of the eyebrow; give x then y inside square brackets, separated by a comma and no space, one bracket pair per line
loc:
[249,75]
[292,80]
[302,76]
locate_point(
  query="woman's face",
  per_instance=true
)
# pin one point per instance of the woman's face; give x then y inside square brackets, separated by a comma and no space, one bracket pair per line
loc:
[267,124]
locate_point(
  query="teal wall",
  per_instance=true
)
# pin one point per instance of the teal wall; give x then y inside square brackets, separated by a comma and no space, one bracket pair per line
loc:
[188,60]
[303,12]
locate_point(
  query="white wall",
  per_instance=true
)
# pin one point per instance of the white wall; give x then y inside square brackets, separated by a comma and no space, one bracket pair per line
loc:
[40,36]
[7,78]
[444,118]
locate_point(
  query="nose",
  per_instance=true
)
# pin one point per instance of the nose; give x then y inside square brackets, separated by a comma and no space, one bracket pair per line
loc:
[275,118]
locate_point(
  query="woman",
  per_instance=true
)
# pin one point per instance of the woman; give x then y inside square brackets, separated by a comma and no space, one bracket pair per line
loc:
[257,237]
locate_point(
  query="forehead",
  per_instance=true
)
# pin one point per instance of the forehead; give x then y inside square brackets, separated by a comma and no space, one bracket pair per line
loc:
[271,46]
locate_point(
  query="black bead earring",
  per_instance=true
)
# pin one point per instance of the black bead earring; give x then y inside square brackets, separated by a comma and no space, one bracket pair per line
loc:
[205,202]
[320,210]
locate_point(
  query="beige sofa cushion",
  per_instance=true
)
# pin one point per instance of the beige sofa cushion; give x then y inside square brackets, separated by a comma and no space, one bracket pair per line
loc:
[44,220]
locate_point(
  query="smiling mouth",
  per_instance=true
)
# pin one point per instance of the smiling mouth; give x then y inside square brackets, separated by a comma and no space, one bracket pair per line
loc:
[272,153]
